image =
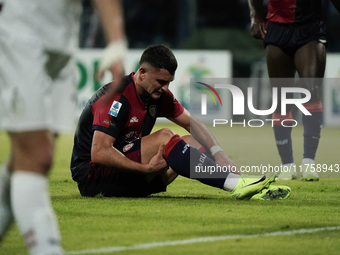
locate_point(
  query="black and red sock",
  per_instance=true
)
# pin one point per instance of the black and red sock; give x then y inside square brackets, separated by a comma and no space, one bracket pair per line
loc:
[183,158]
[312,128]
[283,136]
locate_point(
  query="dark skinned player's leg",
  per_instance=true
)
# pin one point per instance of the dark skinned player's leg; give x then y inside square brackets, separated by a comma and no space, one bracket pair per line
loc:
[310,61]
[281,71]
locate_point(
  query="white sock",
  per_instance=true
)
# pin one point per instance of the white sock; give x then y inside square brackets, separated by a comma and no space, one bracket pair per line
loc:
[308,160]
[34,214]
[6,216]
[231,181]
[290,166]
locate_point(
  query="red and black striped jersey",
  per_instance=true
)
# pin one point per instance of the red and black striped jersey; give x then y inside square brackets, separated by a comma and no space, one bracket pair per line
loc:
[125,117]
[293,11]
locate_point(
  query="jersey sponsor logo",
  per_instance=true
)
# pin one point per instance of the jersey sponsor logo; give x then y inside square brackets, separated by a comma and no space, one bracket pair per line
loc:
[153,110]
[127,147]
[115,107]
[134,119]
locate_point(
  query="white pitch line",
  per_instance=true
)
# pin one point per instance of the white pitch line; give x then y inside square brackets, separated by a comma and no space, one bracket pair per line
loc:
[199,240]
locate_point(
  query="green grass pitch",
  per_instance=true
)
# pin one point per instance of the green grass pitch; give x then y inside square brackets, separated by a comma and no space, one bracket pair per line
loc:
[190,210]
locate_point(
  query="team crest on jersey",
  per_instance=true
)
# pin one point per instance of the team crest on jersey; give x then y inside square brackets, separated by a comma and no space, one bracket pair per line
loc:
[153,111]
[127,147]
[115,107]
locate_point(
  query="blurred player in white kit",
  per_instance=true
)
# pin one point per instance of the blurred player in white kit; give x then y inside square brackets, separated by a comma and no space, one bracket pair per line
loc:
[37,74]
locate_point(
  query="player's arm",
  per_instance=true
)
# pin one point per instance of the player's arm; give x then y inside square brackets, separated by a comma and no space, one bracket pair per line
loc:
[112,19]
[103,153]
[203,135]
[336,4]
[196,128]
[257,25]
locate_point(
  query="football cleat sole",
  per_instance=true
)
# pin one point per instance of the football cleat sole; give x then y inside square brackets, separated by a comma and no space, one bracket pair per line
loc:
[273,192]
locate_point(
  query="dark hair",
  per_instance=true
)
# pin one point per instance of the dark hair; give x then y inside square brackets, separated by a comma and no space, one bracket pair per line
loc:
[160,57]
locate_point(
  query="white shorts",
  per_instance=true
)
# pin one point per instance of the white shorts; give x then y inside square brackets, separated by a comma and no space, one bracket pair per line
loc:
[37,87]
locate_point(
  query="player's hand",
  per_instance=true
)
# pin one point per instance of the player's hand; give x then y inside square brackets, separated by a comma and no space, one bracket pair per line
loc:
[222,159]
[158,163]
[117,71]
[112,61]
[258,28]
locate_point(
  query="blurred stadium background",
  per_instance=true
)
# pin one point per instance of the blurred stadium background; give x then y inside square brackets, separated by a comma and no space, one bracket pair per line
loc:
[211,39]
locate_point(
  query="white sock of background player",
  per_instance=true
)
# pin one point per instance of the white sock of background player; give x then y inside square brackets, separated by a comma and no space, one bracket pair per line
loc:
[33,213]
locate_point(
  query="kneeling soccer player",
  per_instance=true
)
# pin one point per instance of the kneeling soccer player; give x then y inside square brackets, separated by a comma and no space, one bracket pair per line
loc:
[114,153]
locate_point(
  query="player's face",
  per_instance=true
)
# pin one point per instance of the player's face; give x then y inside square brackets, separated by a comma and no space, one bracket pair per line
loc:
[157,81]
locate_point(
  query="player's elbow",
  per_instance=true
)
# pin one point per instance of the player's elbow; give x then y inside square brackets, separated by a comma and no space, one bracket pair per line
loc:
[97,156]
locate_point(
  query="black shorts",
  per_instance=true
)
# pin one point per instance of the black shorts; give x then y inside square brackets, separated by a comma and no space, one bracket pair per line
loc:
[290,37]
[111,183]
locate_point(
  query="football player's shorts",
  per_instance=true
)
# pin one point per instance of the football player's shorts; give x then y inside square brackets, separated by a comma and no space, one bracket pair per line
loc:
[290,37]
[111,183]
[37,87]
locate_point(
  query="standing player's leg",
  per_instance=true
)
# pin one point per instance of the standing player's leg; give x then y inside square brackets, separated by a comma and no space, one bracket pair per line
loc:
[310,61]
[26,104]
[281,71]
[33,153]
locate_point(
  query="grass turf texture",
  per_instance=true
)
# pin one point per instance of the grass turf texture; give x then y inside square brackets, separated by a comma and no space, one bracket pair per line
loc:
[190,209]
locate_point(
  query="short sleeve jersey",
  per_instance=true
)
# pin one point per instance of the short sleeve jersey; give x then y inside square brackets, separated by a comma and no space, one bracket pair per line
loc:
[125,117]
[293,11]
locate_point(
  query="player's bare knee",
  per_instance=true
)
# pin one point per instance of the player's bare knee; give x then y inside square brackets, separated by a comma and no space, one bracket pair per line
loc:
[192,141]
[45,161]
[165,134]
[44,157]
[186,138]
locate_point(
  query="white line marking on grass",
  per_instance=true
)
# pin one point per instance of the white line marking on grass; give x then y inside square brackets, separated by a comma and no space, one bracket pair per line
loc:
[200,240]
